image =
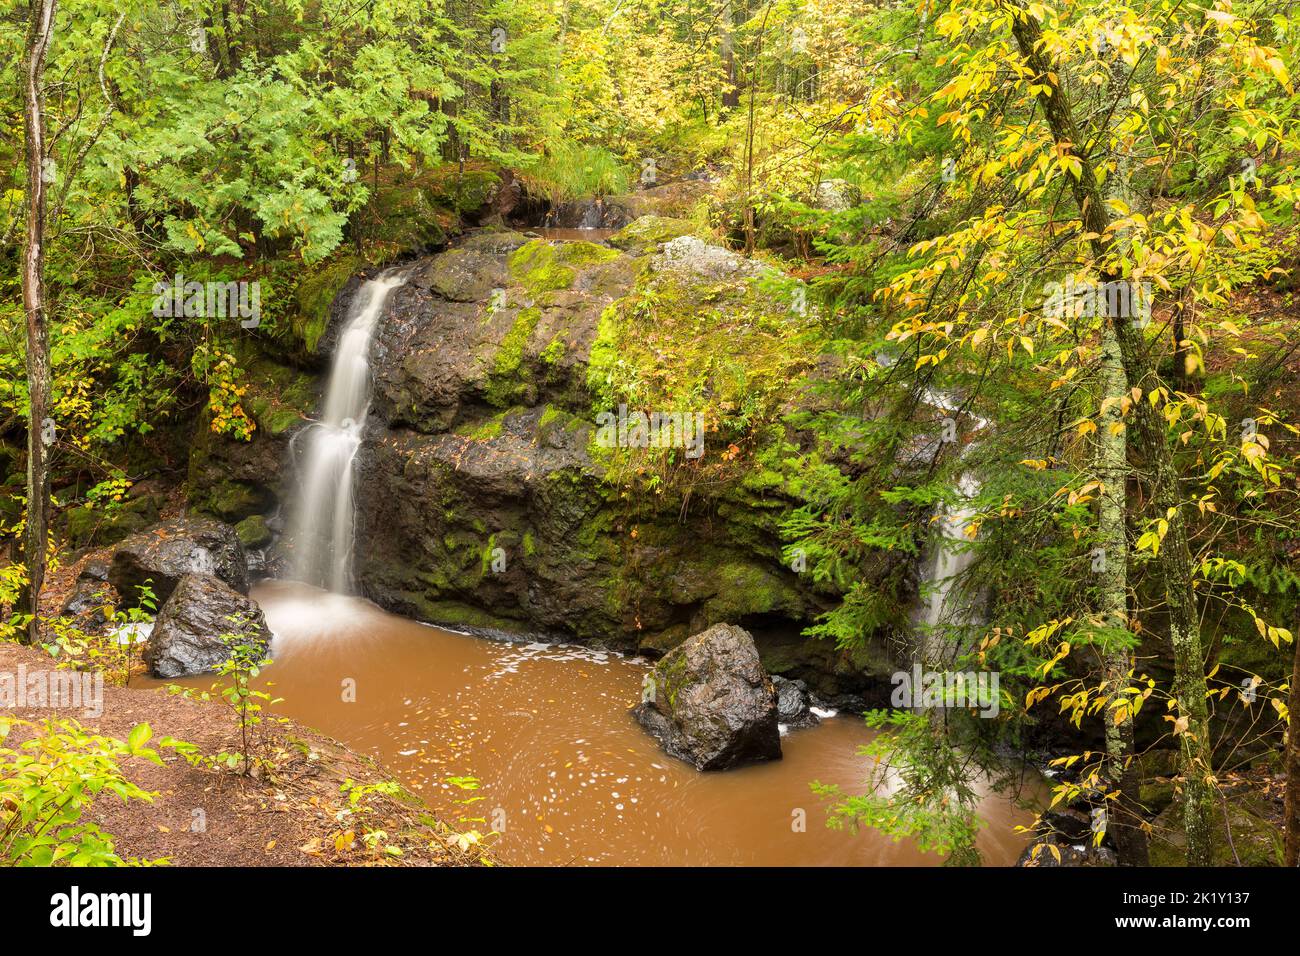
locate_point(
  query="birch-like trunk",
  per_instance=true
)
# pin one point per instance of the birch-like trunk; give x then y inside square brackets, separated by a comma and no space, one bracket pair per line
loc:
[40,427]
[1173,561]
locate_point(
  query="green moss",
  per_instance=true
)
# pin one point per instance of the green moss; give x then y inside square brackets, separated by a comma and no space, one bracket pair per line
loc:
[646,231]
[530,545]
[487,429]
[253,532]
[540,266]
[584,253]
[461,189]
[505,382]
[554,350]
[1240,831]
[534,266]
[89,525]
[230,500]
[315,294]
[403,218]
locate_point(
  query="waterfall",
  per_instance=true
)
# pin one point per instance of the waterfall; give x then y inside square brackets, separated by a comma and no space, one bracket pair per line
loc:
[946,604]
[324,515]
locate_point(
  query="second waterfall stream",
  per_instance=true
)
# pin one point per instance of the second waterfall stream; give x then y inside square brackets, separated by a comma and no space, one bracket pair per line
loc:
[324,517]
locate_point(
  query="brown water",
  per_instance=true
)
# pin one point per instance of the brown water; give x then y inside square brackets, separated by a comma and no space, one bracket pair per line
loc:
[574,234]
[563,768]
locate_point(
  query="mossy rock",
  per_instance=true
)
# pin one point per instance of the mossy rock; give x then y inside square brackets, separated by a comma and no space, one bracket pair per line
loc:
[1244,836]
[541,266]
[465,275]
[402,219]
[231,501]
[643,234]
[88,525]
[1155,795]
[466,191]
[506,381]
[661,642]
[315,294]
[1251,654]
[253,532]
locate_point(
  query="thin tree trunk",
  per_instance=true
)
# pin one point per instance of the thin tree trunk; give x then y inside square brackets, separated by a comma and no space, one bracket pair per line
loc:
[1174,557]
[749,139]
[1112,470]
[727,51]
[1292,813]
[40,426]
[1124,824]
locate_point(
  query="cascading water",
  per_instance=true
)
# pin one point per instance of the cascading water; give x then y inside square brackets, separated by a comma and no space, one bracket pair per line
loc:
[946,605]
[324,517]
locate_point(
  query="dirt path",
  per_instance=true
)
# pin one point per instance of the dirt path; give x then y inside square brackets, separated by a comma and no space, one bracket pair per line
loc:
[205,817]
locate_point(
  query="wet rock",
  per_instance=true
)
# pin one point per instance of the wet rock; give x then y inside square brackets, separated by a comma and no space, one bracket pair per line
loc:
[794,704]
[253,532]
[1070,823]
[497,242]
[712,703]
[200,623]
[596,213]
[231,478]
[90,595]
[167,552]
[464,275]
[1054,851]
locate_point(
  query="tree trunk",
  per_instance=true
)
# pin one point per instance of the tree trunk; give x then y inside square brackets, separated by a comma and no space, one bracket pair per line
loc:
[1124,824]
[1291,821]
[40,427]
[1173,560]
[1112,470]
[727,51]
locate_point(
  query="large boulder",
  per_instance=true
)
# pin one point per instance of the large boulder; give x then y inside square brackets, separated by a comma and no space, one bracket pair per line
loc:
[711,703]
[162,555]
[200,623]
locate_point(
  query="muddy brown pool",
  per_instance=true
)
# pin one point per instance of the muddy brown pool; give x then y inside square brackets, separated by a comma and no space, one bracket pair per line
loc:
[563,769]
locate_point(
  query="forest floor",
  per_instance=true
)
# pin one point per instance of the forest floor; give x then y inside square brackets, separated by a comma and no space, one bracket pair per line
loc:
[293,812]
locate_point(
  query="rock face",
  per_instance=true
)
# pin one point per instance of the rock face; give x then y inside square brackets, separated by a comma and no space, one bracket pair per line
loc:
[485,498]
[482,494]
[187,634]
[167,552]
[712,704]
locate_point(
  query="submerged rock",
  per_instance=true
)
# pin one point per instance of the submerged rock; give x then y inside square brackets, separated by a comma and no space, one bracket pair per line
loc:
[165,553]
[794,704]
[712,704]
[200,623]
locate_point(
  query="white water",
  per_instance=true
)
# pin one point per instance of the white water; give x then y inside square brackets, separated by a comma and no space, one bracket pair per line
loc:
[947,606]
[325,515]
